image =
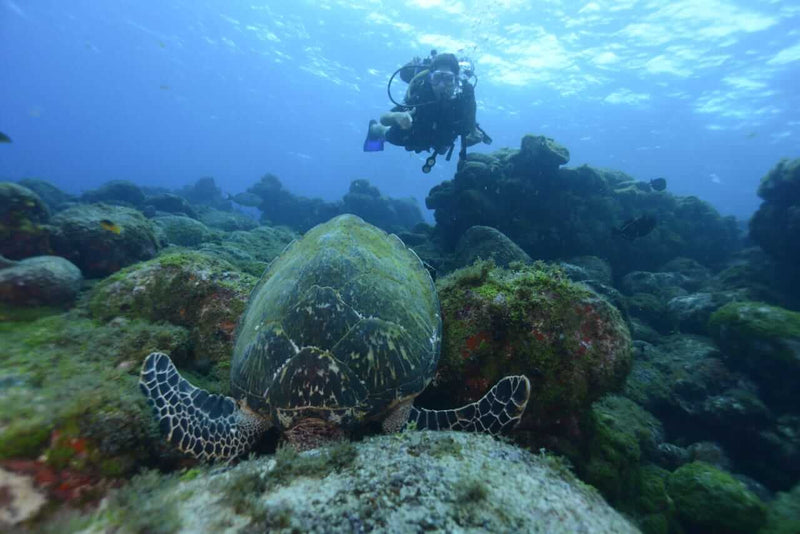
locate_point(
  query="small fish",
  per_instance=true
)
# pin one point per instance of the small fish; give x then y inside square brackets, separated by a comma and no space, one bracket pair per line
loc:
[638,227]
[658,184]
[164,87]
[110,226]
[4,138]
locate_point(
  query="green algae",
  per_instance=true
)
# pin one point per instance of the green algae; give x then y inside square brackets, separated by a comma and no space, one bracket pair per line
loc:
[711,499]
[532,320]
[70,394]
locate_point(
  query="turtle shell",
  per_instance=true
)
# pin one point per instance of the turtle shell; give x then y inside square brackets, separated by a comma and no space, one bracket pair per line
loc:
[343,323]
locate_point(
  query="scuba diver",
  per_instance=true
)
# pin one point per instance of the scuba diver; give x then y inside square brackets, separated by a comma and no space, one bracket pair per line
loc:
[438,108]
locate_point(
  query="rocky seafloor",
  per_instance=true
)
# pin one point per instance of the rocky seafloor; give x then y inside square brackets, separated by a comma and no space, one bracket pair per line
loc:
[663,369]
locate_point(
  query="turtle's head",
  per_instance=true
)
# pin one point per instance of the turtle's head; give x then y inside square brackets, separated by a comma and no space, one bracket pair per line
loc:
[311,433]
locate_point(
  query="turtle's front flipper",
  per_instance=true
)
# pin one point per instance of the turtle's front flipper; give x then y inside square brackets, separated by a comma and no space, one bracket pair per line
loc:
[209,427]
[496,412]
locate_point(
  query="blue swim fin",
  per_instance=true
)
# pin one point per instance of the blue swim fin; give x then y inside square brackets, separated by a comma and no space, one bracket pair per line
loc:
[372,144]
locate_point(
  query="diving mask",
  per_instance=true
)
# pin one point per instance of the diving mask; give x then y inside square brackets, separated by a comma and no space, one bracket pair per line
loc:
[443,77]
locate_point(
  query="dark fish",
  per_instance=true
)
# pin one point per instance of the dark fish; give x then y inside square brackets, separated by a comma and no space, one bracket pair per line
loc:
[659,184]
[638,227]
[4,138]
[110,226]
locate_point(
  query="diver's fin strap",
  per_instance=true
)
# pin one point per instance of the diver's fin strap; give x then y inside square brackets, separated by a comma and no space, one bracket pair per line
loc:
[209,427]
[496,412]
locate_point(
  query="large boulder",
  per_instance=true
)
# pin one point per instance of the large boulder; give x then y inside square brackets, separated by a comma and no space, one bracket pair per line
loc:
[40,281]
[102,239]
[55,198]
[390,214]
[23,222]
[556,213]
[117,192]
[573,344]
[183,231]
[409,482]
[189,289]
[483,242]
[229,221]
[763,341]
[710,500]
[204,192]
[169,203]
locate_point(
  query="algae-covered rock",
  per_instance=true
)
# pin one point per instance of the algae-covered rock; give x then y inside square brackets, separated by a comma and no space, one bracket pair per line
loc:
[183,231]
[117,192]
[55,198]
[191,289]
[40,281]
[573,345]
[710,500]
[764,341]
[228,221]
[23,217]
[621,436]
[101,239]
[252,250]
[540,152]
[483,242]
[169,203]
[783,514]
[409,482]
[69,400]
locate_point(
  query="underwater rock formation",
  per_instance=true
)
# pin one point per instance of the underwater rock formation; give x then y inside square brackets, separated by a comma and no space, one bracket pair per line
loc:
[40,281]
[710,500]
[763,341]
[116,192]
[102,239]
[408,482]
[775,227]
[200,292]
[229,221]
[279,207]
[70,409]
[204,192]
[390,214]
[557,213]
[55,198]
[23,223]
[169,203]
[181,230]
[483,242]
[571,343]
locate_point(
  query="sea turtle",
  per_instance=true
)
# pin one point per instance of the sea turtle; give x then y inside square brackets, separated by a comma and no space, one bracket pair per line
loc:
[343,328]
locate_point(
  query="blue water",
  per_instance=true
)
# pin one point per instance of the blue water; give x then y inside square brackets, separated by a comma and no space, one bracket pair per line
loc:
[164,92]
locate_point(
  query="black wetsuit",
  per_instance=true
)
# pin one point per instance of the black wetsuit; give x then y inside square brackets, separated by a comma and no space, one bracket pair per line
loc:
[437,123]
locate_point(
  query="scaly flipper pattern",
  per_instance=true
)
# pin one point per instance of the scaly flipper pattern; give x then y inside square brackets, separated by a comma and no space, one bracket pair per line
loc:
[209,427]
[495,413]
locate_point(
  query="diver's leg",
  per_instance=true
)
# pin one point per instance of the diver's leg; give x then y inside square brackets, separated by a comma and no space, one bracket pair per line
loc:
[401,119]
